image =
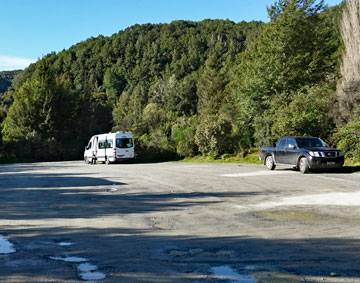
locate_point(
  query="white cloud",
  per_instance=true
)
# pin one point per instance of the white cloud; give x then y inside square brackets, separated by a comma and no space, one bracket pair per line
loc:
[14,63]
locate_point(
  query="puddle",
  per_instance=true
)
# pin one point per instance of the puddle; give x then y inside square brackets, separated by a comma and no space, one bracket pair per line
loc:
[64,244]
[88,272]
[87,267]
[69,259]
[5,246]
[227,273]
[92,276]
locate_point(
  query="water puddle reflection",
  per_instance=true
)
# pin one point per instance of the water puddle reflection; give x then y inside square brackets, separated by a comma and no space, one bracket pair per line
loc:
[5,246]
[64,244]
[227,273]
[69,258]
[87,271]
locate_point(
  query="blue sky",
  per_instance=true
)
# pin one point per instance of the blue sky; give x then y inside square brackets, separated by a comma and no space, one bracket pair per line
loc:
[33,28]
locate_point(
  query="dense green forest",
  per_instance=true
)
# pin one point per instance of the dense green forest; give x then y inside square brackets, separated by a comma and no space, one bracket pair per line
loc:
[6,79]
[186,88]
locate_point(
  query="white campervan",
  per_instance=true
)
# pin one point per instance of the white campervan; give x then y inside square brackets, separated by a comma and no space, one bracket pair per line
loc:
[109,148]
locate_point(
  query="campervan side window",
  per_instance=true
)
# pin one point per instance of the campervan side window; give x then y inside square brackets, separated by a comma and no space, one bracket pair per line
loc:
[124,143]
[105,144]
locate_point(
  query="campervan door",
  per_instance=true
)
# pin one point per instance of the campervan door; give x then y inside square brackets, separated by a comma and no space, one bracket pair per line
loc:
[106,144]
[124,144]
[90,152]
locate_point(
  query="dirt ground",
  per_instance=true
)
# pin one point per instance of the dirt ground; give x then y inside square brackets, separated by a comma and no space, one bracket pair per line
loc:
[177,222]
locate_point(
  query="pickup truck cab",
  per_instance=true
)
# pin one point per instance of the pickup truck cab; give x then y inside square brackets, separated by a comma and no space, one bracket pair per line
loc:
[303,153]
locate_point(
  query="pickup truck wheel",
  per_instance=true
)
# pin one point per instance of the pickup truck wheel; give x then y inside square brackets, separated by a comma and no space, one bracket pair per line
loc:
[304,165]
[269,162]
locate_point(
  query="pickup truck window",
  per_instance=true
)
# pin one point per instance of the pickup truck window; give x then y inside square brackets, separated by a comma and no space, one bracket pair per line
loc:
[291,143]
[281,143]
[310,142]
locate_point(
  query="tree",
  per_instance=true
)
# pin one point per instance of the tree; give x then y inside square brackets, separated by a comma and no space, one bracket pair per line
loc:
[348,90]
[183,135]
[114,83]
[308,114]
[213,135]
[42,107]
[288,54]
[210,87]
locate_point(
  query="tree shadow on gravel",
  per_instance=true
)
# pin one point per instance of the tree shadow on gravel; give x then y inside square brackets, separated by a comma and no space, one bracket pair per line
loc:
[72,203]
[141,255]
[46,196]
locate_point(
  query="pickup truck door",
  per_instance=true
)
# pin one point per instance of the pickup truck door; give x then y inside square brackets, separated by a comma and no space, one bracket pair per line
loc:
[291,152]
[279,152]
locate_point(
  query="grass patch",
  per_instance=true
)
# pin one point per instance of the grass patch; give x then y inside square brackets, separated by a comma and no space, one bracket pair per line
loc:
[305,217]
[250,156]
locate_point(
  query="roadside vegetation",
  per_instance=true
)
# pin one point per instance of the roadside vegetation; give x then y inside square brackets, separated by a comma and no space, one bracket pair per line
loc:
[209,90]
[250,156]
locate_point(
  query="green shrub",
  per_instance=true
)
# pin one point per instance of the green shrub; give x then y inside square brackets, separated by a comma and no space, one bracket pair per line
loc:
[347,139]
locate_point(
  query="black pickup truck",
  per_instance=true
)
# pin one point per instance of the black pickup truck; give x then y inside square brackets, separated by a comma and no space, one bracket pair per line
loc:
[303,153]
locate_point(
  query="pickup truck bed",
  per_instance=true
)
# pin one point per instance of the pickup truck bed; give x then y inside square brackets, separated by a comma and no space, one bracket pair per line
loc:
[303,153]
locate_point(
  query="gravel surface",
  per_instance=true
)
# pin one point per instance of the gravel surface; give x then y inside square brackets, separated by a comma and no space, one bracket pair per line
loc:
[177,222]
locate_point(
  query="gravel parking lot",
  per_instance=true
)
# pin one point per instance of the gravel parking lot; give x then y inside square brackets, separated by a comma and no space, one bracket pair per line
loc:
[177,222]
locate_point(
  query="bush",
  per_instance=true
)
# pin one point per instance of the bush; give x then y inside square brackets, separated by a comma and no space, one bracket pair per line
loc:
[213,135]
[183,135]
[308,114]
[347,139]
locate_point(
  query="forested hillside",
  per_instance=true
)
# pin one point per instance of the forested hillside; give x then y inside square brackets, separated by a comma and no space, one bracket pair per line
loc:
[185,88]
[6,78]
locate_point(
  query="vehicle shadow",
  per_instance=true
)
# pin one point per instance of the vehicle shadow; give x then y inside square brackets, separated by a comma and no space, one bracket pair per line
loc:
[350,169]
[343,170]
